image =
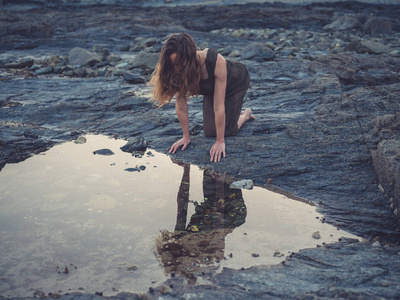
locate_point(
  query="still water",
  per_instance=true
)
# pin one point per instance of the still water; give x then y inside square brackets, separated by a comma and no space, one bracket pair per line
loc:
[72,220]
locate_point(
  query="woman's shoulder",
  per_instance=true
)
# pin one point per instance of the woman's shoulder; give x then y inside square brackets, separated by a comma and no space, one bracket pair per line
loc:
[203,54]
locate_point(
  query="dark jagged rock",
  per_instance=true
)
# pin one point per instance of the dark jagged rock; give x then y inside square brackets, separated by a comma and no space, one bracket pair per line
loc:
[145,60]
[133,78]
[103,152]
[258,52]
[137,143]
[82,57]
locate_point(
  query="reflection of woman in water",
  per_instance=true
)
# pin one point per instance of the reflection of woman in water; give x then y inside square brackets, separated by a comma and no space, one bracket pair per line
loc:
[202,241]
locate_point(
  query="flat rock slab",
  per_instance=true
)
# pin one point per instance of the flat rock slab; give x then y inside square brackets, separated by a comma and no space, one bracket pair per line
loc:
[326,124]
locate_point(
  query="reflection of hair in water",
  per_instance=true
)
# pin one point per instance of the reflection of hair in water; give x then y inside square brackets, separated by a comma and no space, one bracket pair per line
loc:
[196,248]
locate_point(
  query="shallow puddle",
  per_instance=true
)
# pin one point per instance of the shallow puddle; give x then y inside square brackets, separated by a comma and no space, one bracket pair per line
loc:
[72,220]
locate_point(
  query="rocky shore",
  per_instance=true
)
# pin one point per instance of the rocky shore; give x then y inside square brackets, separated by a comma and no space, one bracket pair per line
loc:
[324,89]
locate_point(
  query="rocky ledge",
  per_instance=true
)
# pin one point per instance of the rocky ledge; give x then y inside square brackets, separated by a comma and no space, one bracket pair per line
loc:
[324,89]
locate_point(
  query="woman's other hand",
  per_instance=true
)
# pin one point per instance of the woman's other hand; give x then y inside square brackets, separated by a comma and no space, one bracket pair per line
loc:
[217,151]
[184,142]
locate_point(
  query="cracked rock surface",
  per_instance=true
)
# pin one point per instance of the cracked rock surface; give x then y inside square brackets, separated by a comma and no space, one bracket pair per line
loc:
[324,90]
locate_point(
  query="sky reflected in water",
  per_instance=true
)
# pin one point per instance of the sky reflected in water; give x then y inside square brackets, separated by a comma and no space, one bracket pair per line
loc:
[72,221]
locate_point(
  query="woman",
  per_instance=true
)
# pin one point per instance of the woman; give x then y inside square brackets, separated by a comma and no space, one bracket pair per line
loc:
[182,71]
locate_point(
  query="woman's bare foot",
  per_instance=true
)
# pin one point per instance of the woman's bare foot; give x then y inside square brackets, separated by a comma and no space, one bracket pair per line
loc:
[245,116]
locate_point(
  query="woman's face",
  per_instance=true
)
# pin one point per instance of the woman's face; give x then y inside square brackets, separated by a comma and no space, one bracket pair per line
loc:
[173,58]
[177,62]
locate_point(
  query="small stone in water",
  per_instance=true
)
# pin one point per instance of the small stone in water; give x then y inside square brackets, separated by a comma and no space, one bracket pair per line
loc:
[80,140]
[278,253]
[316,235]
[132,170]
[131,268]
[242,184]
[103,152]
[165,289]
[376,244]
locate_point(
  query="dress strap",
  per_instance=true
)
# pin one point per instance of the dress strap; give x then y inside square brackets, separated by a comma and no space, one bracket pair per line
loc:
[211,61]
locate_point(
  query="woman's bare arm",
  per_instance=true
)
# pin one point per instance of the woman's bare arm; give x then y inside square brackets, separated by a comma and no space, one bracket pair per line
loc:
[218,149]
[182,111]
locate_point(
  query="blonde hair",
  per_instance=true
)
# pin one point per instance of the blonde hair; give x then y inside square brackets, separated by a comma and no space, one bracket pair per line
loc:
[181,76]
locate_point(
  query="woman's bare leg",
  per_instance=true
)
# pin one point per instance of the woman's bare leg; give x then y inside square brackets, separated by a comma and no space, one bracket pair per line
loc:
[245,116]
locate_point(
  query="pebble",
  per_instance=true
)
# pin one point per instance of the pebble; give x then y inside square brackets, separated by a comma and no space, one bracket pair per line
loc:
[316,235]
[80,140]
[131,267]
[133,78]
[376,244]
[41,71]
[103,152]
[242,184]
[278,253]
[35,67]
[165,289]
[132,170]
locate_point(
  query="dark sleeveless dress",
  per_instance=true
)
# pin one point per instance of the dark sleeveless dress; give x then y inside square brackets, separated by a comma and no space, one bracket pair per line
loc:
[237,83]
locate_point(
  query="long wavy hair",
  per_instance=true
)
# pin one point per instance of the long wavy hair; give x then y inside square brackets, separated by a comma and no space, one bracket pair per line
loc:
[181,76]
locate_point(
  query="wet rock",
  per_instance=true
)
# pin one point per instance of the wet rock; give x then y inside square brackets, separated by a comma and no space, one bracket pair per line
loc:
[242,184]
[141,43]
[118,72]
[113,58]
[257,52]
[368,46]
[137,143]
[58,70]
[376,26]
[235,53]
[103,52]
[376,244]
[80,140]
[132,170]
[395,53]
[145,60]
[122,65]
[165,289]
[41,71]
[82,57]
[133,78]
[131,267]
[278,253]
[23,63]
[39,295]
[81,72]
[14,27]
[314,133]
[344,23]
[316,235]
[105,152]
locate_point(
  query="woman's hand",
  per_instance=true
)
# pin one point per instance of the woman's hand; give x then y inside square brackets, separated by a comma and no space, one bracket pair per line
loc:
[217,151]
[184,142]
